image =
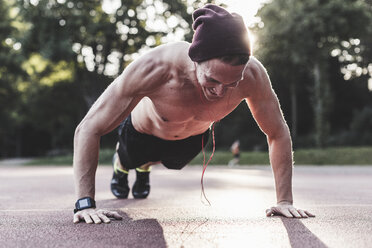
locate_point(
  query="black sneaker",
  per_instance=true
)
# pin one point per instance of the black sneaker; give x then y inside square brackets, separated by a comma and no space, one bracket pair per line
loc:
[119,182]
[141,187]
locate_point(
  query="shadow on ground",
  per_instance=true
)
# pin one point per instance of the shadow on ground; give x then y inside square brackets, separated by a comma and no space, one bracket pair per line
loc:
[299,235]
[51,229]
[127,232]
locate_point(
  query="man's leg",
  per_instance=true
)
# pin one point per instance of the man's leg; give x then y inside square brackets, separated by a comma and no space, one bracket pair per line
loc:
[117,160]
[134,151]
[141,187]
[119,181]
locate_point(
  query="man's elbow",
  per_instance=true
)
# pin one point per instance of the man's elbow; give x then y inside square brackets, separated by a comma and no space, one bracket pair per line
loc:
[84,129]
[281,134]
[79,129]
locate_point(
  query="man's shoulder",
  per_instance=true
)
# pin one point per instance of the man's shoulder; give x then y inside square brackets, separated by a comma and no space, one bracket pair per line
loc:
[168,55]
[170,50]
[178,45]
[156,67]
[254,70]
[255,78]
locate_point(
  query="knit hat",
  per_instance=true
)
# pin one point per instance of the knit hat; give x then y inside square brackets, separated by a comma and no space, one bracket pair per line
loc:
[217,33]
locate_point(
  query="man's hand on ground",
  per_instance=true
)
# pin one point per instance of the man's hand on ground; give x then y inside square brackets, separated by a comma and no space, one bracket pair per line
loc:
[97,216]
[287,210]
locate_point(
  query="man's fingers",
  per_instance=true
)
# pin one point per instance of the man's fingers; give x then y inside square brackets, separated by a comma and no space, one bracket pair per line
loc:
[96,216]
[87,218]
[114,214]
[309,214]
[294,212]
[278,211]
[103,217]
[76,218]
[302,213]
[269,212]
[96,219]
[286,213]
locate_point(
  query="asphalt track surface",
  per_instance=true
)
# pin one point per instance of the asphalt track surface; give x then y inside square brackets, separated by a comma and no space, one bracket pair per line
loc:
[36,209]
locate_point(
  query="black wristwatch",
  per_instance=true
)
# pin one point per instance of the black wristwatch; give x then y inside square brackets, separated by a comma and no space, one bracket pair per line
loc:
[84,203]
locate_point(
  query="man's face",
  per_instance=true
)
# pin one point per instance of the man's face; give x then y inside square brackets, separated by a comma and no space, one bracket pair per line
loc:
[216,77]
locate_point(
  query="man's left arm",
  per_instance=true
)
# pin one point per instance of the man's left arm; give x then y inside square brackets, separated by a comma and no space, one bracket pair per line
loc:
[266,110]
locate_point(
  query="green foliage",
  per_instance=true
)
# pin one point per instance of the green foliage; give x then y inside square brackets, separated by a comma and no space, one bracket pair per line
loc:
[57,57]
[328,156]
[105,157]
[334,156]
[10,73]
[67,54]
[296,39]
[223,158]
[239,125]
[360,127]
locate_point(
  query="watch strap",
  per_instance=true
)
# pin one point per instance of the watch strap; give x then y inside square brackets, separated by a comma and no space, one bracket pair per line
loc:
[84,203]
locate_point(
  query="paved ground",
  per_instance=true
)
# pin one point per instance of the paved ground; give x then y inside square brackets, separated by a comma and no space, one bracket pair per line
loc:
[36,209]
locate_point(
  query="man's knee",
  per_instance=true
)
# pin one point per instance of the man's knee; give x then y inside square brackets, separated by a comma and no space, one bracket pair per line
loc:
[147,166]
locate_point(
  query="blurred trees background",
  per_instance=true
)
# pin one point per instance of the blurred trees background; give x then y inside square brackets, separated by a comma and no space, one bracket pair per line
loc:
[57,56]
[318,53]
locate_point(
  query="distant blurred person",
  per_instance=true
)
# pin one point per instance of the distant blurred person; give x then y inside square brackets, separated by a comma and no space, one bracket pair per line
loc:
[235,150]
[165,103]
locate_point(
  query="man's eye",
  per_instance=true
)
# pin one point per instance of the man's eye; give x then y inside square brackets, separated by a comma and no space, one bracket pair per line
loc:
[233,84]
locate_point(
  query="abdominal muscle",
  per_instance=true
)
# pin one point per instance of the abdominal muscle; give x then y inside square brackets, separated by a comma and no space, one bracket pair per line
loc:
[146,119]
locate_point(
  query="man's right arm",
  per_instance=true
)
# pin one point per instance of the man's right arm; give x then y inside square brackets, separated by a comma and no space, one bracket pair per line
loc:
[141,77]
[101,118]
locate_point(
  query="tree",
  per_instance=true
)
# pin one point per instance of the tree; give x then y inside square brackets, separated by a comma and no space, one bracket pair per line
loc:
[69,51]
[10,74]
[300,36]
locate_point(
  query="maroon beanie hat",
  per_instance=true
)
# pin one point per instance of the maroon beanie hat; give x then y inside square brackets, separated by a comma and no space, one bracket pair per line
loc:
[217,33]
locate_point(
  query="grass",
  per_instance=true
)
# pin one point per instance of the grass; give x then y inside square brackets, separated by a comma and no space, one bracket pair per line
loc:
[335,156]
[105,157]
[327,156]
[223,158]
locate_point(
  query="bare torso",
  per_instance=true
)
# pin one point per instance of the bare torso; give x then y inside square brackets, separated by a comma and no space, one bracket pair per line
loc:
[171,98]
[178,108]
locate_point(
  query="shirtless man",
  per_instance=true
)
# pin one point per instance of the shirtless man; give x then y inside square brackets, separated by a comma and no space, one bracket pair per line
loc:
[165,102]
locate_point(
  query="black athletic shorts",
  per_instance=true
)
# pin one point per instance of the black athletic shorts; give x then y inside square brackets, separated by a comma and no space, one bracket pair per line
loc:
[136,149]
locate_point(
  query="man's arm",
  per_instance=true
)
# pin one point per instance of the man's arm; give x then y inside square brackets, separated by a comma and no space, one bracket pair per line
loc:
[114,105]
[266,110]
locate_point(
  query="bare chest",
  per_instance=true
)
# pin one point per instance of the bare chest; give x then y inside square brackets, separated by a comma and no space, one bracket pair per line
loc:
[185,104]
